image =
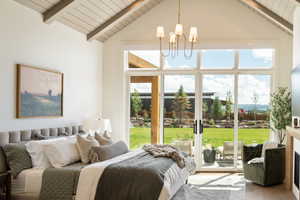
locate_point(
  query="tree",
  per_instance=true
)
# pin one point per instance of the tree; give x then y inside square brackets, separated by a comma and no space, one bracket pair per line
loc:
[217,109]
[181,103]
[255,101]
[281,111]
[228,106]
[205,109]
[136,103]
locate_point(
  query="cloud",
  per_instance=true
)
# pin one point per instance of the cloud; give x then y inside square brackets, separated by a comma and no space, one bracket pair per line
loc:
[251,84]
[219,84]
[265,54]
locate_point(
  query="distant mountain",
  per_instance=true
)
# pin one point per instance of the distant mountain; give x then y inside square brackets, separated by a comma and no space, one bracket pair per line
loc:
[250,107]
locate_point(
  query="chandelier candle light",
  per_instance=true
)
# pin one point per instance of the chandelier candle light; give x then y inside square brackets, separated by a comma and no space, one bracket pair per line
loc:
[175,38]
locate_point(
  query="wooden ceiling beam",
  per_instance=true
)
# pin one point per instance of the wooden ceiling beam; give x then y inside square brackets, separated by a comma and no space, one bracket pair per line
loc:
[137,62]
[97,31]
[52,13]
[280,21]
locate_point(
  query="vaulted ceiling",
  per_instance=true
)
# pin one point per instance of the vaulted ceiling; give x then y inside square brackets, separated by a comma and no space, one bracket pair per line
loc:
[101,19]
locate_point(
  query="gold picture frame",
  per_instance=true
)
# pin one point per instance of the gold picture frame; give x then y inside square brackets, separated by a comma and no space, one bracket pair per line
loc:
[39,92]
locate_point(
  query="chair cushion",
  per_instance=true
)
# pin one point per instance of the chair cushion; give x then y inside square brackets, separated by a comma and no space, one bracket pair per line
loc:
[256,160]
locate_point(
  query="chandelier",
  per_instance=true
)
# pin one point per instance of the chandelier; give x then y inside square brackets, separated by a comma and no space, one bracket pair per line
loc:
[176,37]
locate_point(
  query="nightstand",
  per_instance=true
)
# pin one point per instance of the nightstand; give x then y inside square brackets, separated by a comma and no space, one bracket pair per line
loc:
[5,186]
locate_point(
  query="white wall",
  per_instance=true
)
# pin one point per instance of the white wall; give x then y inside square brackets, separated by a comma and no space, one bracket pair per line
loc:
[221,23]
[25,39]
[296,41]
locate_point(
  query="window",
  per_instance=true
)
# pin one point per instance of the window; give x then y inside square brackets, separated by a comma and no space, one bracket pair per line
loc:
[218,59]
[256,58]
[180,62]
[227,89]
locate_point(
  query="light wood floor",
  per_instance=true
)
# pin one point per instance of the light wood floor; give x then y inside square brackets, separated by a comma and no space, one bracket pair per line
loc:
[238,187]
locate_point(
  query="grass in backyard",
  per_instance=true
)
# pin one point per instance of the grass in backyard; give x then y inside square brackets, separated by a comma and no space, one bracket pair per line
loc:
[213,136]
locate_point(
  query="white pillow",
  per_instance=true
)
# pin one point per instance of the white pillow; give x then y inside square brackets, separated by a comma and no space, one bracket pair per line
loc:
[37,154]
[62,152]
[84,146]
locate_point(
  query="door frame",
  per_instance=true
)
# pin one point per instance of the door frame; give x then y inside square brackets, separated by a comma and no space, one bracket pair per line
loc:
[199,72]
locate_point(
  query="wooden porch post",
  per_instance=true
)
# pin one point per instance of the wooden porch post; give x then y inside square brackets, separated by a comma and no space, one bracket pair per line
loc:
[155,135]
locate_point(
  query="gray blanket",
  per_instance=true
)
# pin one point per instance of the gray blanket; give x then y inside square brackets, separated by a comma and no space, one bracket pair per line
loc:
[137,178]
[60,184]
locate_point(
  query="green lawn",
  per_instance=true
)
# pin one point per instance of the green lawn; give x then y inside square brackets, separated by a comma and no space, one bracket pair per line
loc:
[213,136]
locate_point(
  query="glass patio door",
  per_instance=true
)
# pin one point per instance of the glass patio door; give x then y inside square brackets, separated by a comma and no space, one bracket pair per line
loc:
[144,110]
[179,111]
[217,114]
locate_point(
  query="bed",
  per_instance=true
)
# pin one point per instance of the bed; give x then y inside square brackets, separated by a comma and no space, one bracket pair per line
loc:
[134,175]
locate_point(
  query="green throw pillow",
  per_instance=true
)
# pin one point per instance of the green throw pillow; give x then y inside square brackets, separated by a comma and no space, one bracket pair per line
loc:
[17,158]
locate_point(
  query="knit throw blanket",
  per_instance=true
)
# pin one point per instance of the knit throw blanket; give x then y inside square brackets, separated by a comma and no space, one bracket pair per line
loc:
[165,150]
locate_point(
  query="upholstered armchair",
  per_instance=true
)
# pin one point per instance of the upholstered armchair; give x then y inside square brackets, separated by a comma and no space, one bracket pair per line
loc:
[269,172]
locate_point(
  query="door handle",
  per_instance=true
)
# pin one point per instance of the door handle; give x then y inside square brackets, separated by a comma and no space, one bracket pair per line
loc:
[195,127]
[201,127]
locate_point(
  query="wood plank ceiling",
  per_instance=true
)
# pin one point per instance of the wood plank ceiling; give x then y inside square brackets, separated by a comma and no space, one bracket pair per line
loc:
[280,12]
[90,16]
[101,19]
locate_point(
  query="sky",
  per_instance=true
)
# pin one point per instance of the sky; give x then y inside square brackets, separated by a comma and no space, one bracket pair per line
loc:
[46,81]
[220,84]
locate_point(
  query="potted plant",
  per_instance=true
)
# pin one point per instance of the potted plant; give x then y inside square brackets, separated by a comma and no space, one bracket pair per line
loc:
[281,112]
[209,154]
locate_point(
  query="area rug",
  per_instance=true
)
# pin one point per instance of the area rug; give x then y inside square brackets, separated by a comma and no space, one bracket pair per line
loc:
[216,187]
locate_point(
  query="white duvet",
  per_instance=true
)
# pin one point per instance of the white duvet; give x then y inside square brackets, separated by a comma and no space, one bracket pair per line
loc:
[90,176]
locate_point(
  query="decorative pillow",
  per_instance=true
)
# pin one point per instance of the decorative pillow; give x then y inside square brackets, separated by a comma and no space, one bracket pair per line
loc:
[102,153]
[256,160]
[37,154]
[62,152]
[103,140]
[17,157]
[84,145]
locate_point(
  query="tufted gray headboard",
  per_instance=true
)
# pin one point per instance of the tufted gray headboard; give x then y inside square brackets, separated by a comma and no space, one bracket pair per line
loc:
[35,134]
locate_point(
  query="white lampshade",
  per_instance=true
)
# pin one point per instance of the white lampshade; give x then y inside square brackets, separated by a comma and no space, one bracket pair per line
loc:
[105,126]
[193,34]
[160,33]
[97,125]
[179,29]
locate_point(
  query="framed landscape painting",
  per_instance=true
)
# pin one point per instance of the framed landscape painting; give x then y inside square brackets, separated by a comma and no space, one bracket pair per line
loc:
[39,92]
